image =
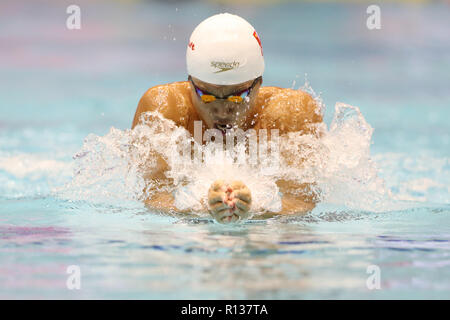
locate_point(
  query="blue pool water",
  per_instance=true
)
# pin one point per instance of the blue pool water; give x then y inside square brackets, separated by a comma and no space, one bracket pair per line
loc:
[58,87]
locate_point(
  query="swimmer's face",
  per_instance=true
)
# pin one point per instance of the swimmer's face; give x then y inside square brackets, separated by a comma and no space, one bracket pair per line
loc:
[223,114]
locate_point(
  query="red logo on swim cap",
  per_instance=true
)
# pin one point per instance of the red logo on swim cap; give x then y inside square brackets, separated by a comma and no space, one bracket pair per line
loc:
[191,45]
[259,41]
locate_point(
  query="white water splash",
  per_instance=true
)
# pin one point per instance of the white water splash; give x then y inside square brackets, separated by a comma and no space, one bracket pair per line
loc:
[337,165]
[349,176]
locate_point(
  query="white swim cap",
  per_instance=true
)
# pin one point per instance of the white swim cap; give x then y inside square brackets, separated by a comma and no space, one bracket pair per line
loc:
[224,49]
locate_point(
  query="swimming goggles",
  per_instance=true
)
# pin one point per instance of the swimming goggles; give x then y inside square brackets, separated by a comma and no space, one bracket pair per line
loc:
[236,97]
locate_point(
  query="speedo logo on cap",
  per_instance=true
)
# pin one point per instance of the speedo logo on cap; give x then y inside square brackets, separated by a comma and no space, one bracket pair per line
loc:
[224,66]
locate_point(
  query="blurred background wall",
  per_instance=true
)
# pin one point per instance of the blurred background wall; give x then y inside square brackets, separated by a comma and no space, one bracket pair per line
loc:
[92,78]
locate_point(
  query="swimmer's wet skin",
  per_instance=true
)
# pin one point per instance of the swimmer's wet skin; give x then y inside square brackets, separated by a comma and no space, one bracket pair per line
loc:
[225,65]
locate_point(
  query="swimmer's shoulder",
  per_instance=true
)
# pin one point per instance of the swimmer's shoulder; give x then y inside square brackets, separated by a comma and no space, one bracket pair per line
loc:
[172,100]
[287,109]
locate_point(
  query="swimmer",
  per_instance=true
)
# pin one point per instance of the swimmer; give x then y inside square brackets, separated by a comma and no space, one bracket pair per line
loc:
[225,64]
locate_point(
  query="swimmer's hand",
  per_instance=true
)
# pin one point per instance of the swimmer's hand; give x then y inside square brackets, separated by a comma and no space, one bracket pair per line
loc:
[229,202]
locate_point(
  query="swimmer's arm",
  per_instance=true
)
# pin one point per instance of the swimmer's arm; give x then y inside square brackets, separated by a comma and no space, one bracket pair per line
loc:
[297,198]
[291,205]
[159,200]
[160,99]
[163,201]
[293,111]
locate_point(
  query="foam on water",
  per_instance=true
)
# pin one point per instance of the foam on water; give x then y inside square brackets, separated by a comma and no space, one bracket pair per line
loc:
[31,175]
